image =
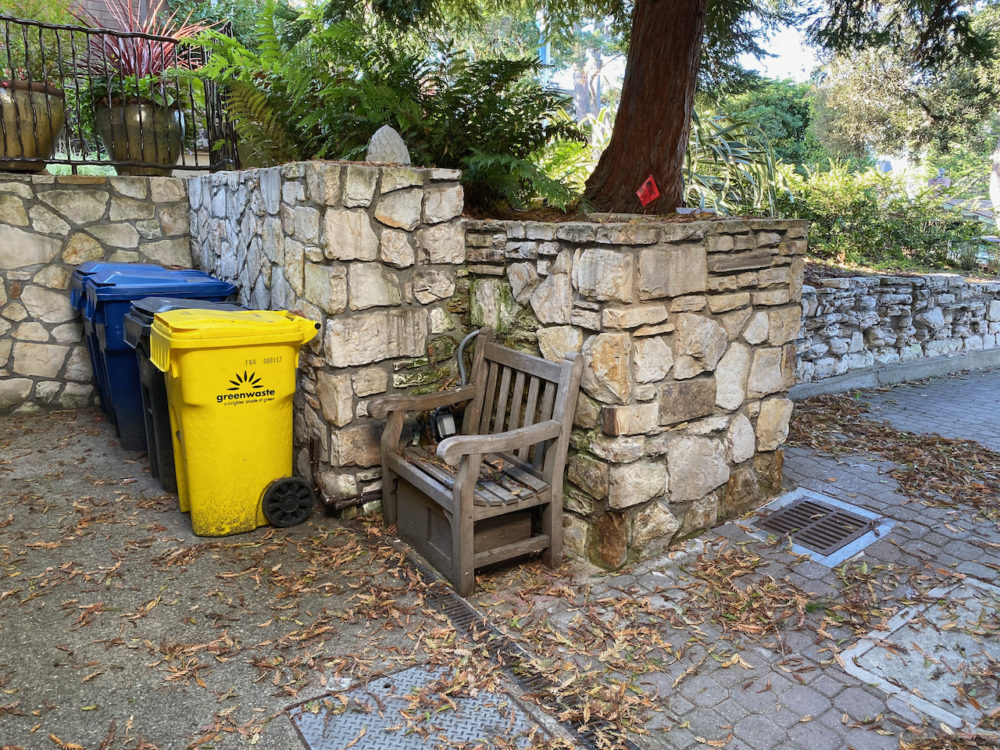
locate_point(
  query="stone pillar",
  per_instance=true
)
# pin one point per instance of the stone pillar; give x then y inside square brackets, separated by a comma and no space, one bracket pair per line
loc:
[371,253]
[687,334]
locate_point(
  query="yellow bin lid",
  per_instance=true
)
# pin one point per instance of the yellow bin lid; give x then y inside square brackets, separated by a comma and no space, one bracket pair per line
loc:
[211,329]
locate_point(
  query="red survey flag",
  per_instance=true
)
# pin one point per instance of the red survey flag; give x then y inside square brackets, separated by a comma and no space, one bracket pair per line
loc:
[648,192]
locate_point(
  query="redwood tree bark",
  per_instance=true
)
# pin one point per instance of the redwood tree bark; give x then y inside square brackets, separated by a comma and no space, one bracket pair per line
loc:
[995,185]
[654,117]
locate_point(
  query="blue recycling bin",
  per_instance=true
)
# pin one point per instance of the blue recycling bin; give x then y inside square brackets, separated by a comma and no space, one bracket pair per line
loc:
[109,296]
[78,298]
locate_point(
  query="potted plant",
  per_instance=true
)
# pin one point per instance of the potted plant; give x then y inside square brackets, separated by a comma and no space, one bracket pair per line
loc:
[134,87]
[32,107]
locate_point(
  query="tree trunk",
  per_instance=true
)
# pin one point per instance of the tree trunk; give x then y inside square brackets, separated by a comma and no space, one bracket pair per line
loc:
[581,91]
[654,117]
[995,185]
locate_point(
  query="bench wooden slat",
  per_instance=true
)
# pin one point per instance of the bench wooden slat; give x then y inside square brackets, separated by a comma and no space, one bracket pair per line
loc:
[486,401]
[529,412]
[505,496]
[501,403]
[423,482]
[520,472]
[515,402]
[488,492]
[548,401]
[544,369]
[508,551]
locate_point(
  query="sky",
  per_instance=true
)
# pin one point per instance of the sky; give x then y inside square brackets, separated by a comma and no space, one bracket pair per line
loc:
[793,58]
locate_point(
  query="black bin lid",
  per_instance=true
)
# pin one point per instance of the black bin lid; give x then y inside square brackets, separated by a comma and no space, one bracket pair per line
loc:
[139,318]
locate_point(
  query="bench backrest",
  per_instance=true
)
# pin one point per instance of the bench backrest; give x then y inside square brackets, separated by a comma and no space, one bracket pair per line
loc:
[517,390]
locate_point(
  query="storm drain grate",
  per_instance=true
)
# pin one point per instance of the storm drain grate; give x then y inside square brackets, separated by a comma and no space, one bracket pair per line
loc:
[404,711]
[818,527]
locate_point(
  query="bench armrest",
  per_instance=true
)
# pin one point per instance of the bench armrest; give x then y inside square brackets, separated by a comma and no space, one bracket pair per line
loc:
[380,407]
[451,450]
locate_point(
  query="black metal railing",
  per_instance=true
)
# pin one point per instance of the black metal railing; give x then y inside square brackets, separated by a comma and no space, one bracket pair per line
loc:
[86,96]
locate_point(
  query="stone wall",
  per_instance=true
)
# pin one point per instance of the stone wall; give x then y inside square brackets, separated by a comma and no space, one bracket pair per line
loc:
[686,329]
[48,226]
[370,253]
[687,334]
[855,324]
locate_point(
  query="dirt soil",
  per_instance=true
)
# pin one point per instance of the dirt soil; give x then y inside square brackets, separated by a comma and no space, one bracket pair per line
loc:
[121,629]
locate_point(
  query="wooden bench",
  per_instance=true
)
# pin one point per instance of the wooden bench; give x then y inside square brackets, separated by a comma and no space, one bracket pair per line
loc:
[493,492]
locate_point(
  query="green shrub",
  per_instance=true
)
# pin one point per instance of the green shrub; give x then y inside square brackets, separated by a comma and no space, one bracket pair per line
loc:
[29,52]
[869,218]
[324,95]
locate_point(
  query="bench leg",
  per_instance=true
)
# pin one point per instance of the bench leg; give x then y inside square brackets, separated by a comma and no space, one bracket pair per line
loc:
[552,527]
[463,525]
[390,446]
[389,499]
[463,573]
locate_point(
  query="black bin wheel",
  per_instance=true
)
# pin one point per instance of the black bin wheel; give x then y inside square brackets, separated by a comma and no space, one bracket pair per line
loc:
[287,502]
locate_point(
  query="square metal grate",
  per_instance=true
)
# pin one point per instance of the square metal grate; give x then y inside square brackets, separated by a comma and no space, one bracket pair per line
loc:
[406,711]
[818,527]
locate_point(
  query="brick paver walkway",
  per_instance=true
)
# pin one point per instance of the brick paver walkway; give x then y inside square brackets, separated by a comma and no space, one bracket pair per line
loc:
[791,690]
[958,406]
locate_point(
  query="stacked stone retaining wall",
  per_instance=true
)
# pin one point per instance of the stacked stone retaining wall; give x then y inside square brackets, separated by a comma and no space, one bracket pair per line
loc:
[686,329]
[855,324]
[371,254]
[48,226]
[687,335]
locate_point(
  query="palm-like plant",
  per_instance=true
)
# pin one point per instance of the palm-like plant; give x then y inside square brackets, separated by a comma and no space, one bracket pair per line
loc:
[133,64]
[135,108]
[731,168]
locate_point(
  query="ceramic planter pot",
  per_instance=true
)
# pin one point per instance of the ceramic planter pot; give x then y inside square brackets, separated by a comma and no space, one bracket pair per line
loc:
[33,116]
[139,130]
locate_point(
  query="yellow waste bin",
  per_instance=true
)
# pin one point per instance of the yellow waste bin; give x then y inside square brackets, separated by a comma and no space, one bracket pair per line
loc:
[230,378]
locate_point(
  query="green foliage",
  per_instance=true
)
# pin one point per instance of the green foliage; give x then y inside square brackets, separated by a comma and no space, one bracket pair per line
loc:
[730,167]
[929,33]
[967,160]
[162,89]
[327,93]
[784,112]
[869,218]
[885,98]
[30,52]
[241,14]
[734,28]
[130,66]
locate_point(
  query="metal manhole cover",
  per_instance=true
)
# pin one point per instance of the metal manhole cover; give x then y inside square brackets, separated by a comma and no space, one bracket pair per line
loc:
[826,529]
[404,712]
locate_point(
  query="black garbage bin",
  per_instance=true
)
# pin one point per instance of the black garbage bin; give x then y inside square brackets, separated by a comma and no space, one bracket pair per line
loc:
[159,440]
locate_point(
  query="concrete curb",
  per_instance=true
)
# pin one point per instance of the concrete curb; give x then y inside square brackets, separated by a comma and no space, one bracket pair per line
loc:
[873,377]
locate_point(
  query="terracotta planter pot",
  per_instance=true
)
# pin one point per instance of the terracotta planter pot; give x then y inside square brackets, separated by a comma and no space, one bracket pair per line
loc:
[33,116]
[139,130]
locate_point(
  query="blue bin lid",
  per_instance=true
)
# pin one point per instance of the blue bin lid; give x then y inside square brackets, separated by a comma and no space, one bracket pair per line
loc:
[85,271]
[116,286]
[119,285]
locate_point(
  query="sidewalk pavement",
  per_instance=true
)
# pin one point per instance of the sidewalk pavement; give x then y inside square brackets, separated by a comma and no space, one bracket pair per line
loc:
[769,649]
